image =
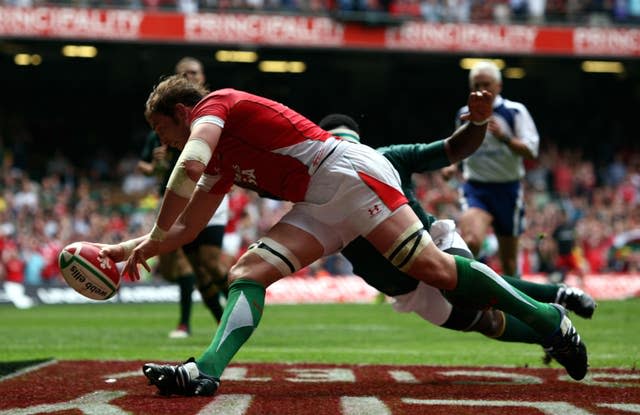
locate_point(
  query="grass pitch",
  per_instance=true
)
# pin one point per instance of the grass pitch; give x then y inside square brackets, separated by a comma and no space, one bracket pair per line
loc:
[326,333]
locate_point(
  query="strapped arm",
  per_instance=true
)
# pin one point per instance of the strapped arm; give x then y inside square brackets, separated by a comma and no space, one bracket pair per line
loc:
[191,164]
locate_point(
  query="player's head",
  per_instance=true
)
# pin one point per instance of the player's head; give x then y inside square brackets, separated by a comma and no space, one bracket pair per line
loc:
[485,75]
[342,126]
[192,69]
[169,106]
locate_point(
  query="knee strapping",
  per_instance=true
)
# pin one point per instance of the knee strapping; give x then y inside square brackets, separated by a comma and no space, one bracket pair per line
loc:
[408,246]
[276,254]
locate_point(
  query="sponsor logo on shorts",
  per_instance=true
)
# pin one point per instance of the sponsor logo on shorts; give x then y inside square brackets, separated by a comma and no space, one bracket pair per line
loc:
[374,210]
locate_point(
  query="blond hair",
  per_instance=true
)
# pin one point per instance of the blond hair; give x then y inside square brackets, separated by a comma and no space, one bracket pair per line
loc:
[175,89]
[485,67]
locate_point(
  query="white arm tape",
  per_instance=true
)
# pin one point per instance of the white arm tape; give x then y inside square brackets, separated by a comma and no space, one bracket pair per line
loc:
[481,123]
[157,234]
[196,149]
[128,247]
[209,119]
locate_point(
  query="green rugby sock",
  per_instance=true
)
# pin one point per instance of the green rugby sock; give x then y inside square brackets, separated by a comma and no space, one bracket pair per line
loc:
[516,331]
[546,293]
[481,287]
[241,316]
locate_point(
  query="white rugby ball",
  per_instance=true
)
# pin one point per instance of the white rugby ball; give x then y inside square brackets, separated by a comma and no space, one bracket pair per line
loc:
[94,277]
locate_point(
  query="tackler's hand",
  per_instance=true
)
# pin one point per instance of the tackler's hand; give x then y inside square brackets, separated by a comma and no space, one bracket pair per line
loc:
[480,105]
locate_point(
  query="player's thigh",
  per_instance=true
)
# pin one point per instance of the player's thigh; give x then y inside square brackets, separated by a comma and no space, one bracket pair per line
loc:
[173,265]
[214,262]
[206,250]
[208,256]
[284,249]
[402,240]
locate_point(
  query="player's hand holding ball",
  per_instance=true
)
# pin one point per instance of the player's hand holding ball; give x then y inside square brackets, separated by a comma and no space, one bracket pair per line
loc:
[91,274]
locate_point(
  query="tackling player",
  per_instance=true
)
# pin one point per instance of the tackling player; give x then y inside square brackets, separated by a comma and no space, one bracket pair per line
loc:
[411,295]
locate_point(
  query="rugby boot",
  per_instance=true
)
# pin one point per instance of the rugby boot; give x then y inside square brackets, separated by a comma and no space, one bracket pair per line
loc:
[566,347]
[184,379]
[576,300]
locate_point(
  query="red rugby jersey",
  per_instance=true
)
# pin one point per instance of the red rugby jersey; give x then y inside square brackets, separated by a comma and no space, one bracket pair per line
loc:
[264,146]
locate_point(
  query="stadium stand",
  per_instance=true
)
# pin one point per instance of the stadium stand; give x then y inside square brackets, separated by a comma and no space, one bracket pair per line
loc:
[591,12]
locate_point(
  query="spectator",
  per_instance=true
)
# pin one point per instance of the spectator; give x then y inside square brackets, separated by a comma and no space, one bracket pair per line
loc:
[519,10]
[616,171]
[14,272]
[457,11]
[34,262]
[27,198]
[431,10]
[634,10]
[567,258]
[536,11]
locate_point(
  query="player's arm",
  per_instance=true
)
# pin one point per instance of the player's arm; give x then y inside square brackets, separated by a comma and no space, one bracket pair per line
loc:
[193,219]
[416,158]
[463,142]
[525,140]
[159,155]
[466,139]
[195,216]
[145,167]
[192,162]
[514,143]
[146,164]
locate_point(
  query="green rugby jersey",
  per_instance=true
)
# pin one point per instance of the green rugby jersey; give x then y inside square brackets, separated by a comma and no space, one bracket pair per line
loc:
[416,158]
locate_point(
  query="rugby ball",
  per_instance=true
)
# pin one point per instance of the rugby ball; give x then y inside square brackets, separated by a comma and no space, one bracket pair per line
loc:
[94,277]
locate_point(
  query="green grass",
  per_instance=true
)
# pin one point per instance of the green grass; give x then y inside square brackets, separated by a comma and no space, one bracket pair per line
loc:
[333,333]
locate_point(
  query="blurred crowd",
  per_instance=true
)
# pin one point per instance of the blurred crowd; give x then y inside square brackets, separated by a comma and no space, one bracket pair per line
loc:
[578,12]
[108,200]
[600,206]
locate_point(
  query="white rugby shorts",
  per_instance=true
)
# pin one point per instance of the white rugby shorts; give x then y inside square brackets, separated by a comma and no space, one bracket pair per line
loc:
[354,190]
[426,301]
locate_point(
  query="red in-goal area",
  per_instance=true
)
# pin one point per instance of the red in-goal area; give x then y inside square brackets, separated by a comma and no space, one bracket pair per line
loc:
[118,388]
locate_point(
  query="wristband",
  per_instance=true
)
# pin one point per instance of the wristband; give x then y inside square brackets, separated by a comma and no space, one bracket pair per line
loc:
[128,247]
[480,123]
[157,234]
[506,139]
